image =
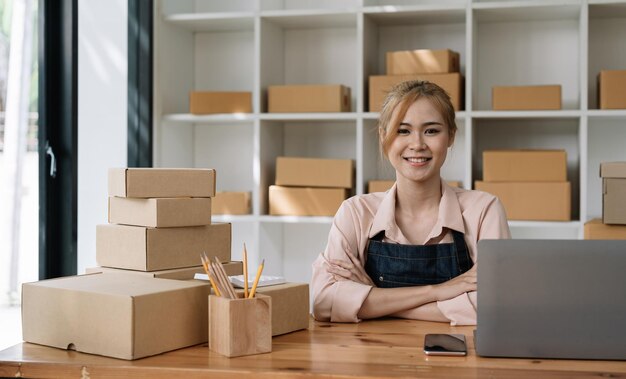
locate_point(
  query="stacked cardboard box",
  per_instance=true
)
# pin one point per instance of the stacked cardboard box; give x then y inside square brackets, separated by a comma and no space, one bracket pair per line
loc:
[231,203]
[613,222]
[438,66]
[310,186]
[531,184]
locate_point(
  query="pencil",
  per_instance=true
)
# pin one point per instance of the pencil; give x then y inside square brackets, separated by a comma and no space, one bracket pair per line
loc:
[245,272]
[218,280]
[256,279]
[227,283]
[205,264]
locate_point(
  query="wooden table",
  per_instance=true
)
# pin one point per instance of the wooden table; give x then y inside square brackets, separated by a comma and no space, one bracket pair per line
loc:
[380,348]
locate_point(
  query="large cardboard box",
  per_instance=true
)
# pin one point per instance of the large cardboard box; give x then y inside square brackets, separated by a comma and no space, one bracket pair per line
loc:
[422,61]
[231,203]
[540,201]
[153,249]
[120,316]
[612,89]
[160,213]
[161,182]
[187,273]
[511,98]
[309,98]
[314,172]
[304,201]
[596,230]
[380,85]
[525,165]
[613,192]
[220,102]
[290,306]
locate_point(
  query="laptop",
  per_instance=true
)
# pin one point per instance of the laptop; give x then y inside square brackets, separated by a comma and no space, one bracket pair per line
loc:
[551,299]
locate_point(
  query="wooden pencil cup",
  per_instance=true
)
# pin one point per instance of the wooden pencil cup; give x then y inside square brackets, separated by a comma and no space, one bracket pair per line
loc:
[240,326]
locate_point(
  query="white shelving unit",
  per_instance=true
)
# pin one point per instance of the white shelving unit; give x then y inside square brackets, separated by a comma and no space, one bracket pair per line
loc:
[247,45]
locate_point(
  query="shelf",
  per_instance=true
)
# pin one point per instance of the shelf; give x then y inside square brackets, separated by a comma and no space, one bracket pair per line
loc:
[226,118]
[562,114]
[212,22]
[311,19]
[545,224]
[425,14]
[511,11]
[297,219]
[607,113]
[340,116]
[233,218]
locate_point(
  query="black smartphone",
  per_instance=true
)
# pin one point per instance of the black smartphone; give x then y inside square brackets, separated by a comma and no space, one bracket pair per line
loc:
[445,344]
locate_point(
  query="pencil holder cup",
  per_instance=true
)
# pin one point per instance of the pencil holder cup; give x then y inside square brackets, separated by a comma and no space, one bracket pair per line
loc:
[240,326]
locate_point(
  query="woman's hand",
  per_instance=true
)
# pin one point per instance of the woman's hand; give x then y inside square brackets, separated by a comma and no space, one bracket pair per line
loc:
[344,270]
[465,282]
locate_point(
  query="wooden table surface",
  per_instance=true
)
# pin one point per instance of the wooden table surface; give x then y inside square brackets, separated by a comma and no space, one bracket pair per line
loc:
[381,348]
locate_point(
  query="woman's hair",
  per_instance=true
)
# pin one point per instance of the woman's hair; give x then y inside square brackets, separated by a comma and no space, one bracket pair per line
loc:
[402,96]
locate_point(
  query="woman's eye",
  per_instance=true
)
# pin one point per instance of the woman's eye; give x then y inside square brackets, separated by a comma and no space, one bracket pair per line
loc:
[404,131]
[431,131]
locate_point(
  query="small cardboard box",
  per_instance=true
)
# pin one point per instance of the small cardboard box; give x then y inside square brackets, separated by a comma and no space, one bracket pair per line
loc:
[612,89]
[309,98]
[314,172]
[304,201]
[160,213]
[511,98]
[596,230]
[151,249]
[613,192]
[380,85]
[161,182]
[525,165]
[120,316]
[422,61]
[231,203]
[384,185]
[220,102]
[240,327]
[290,306]
[187,273]
[540,201]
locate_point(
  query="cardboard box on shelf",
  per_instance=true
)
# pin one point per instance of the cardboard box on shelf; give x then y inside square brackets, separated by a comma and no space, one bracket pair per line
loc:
[538,201]
[545,97]
[305,201]
[210,102]
[153,249]
[612,89]
[120,316]
[161,182]
[380,85]
[160,213]
[422,61]
[187,273]
[525,165]
[231,203]
[613,176]
[314,172]
[596,230]
[308,98]
[384,185]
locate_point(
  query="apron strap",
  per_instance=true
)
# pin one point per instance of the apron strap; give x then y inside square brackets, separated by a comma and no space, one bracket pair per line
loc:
[462,252]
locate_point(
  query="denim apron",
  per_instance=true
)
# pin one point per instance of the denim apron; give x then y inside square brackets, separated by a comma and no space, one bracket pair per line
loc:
[391,265]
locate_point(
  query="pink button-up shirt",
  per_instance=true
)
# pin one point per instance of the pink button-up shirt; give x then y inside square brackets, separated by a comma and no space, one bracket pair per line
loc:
[478,215]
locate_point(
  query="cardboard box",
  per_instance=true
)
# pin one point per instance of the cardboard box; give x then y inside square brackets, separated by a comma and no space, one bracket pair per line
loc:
[540,201]
[612,89]
[512,98]
[596,230]
[151,249]
[220,102]
[525,165]
[304,201]
[314,172]
[161,182]
[380,85]
[613,176]
[309,98]
[422,61]
[290,306]
[384,185]
[120,316]
[161,213]
[187,273]
[231,203]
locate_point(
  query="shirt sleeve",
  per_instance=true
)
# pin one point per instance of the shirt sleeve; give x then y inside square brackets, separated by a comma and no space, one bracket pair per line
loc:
[461,310]
[339,301]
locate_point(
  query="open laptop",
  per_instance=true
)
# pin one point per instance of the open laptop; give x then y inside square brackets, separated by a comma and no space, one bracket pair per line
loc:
[551,299]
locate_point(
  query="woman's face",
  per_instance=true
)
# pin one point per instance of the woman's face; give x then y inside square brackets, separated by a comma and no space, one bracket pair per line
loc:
[421,143]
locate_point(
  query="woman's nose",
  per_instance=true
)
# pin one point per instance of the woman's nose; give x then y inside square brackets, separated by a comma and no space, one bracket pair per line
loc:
[417,142]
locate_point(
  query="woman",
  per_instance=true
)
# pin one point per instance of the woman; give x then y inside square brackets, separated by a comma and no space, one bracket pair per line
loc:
[408,252]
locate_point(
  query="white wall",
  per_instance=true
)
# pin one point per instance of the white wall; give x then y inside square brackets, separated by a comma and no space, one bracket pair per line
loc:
[102,104]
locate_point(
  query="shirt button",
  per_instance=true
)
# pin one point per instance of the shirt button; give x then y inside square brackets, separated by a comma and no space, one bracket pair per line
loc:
[380,278]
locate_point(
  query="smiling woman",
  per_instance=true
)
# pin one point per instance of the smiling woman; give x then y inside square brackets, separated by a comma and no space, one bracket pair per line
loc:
[408,252]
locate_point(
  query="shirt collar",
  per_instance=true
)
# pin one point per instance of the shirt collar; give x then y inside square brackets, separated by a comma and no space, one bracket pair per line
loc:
[450,215]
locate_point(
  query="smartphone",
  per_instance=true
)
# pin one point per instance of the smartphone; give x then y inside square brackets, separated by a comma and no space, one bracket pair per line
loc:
[445,344]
